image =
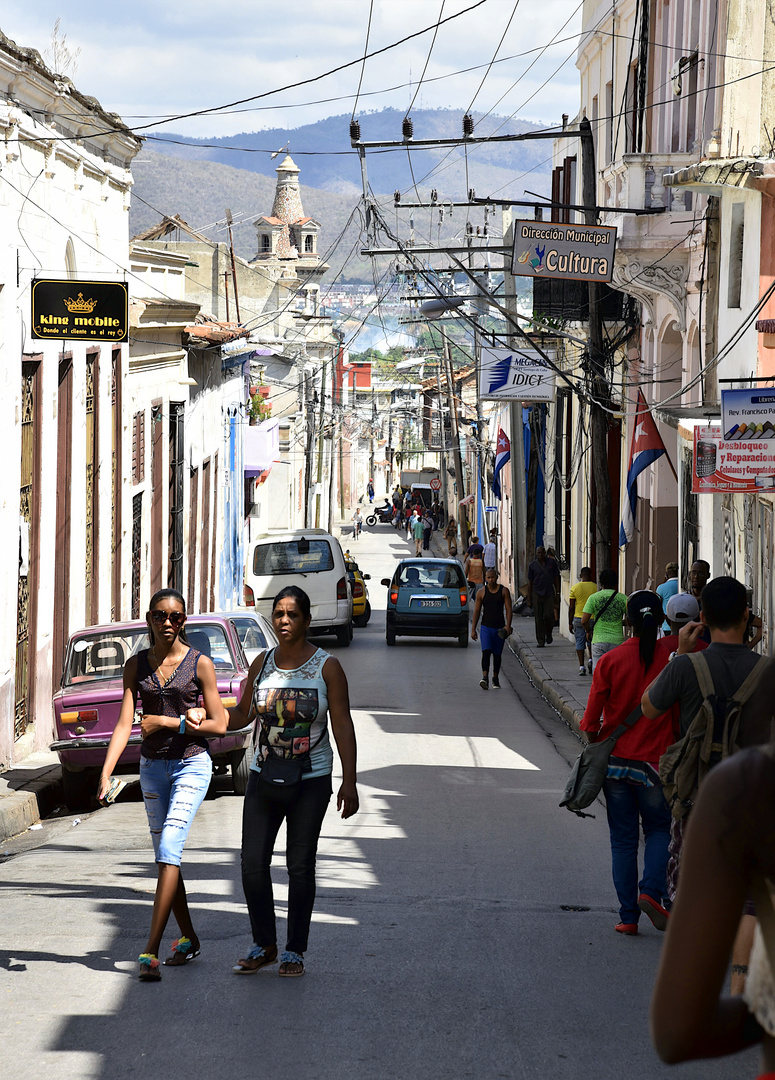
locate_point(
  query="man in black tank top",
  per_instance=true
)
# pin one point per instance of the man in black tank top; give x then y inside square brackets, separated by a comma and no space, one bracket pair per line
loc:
[493,603]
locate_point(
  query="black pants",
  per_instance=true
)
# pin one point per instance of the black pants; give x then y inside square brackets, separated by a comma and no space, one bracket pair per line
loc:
[426,539]
[261,820]
[543,606]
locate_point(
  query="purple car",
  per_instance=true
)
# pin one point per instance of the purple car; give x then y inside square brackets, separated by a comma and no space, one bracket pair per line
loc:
[86,707]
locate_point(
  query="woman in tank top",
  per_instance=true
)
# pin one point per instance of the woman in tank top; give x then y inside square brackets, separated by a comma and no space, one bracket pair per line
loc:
[291,690]
[728,855]
[175,764]
[493,603]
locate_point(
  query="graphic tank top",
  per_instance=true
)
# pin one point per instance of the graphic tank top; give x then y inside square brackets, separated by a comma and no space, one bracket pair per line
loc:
[292,708]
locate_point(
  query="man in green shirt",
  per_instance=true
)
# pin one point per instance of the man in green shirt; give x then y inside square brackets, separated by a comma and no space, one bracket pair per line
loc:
[605,609]
[417,532]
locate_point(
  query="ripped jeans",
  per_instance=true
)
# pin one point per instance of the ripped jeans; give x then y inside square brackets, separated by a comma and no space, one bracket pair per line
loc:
[173,790]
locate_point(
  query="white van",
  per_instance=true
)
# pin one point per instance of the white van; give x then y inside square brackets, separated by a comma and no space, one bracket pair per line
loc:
[311,559]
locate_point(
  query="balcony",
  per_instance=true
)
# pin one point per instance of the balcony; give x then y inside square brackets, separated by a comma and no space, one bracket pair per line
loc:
[636,181]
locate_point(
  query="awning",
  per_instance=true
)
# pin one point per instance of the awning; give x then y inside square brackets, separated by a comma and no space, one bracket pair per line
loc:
[262,447]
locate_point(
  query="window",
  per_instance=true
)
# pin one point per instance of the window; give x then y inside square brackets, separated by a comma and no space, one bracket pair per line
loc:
[138,448]
[309,243]
[609,131]
[266,242]
[294,557]
[736,236]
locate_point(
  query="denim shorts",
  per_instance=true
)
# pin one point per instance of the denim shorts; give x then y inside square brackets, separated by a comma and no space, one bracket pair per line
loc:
[580,634]
[173,790]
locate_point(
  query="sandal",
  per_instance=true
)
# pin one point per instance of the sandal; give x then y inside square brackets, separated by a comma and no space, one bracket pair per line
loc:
[289,960]
[149,967]
[182,951]
[257,958]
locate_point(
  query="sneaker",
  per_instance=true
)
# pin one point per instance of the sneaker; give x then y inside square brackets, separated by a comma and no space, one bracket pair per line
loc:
[582,670]
[658,915]
[548,639]
[629,928]
[589,666]
[484,683]
[496,683]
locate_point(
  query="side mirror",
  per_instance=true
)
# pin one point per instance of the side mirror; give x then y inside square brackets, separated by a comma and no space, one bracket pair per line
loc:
[386,582]
[366,577]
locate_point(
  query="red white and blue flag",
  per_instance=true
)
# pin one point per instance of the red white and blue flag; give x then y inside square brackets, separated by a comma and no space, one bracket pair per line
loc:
[502,455]
[645,448]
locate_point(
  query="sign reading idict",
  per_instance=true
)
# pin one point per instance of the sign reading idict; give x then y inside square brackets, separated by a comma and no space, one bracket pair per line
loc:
[515,375]
[80,310]
[553,250]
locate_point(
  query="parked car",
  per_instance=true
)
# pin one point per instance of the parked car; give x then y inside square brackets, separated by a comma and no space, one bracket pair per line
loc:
[427,598]
[361,605]
[311,559]
[255,632]
[87,705]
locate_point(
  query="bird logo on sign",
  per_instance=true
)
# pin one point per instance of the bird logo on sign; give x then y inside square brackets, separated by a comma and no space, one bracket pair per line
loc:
[499,374]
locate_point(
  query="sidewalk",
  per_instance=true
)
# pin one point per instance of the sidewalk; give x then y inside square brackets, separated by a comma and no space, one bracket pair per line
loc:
[28,792]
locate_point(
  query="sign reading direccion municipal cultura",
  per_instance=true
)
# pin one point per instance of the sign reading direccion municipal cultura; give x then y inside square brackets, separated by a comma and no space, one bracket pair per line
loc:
[554,250]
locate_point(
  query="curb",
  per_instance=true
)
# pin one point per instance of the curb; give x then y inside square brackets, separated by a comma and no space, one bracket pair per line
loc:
[544,684]
[26,804]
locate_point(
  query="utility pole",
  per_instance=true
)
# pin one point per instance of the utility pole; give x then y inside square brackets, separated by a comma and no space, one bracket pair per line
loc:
[601,391]
[229,221]
[517,461]
[226,287]
[319,483]
[457,458]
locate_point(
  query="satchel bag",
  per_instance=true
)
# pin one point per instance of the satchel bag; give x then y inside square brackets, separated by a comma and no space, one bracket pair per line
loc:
[591,766]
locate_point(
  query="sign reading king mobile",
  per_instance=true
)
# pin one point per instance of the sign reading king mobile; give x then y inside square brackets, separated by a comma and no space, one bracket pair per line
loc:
[725,465]
[553,250]
[515,375]
[79,310]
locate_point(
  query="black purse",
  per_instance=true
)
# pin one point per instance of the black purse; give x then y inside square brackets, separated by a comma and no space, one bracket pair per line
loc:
[591,767]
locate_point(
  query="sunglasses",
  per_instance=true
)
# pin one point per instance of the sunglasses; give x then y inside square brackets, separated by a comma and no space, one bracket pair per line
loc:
[177,618]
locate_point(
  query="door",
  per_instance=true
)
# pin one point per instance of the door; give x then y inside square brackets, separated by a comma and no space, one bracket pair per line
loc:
[157,495]
[177,462]
[204,545]
[193,504]
[29,522]
[91,582]
[137,521]
[115,486]
[64,485]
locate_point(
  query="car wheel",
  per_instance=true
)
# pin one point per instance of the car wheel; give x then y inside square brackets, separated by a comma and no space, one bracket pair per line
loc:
[462,639]
[359,620]
[240,770]
[343,635]
[367,614]
[78,789]
[390,636]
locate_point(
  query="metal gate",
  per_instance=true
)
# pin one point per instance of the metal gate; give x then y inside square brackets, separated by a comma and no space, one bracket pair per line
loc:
[137,519]
[26,501]
[765,575]
[690,529]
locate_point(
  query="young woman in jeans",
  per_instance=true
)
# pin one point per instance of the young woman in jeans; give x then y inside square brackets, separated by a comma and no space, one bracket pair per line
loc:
[292,690]
[175,764]
[633,792]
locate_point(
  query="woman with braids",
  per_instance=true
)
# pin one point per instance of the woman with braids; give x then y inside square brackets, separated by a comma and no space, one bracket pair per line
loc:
[175,764]
[633,793]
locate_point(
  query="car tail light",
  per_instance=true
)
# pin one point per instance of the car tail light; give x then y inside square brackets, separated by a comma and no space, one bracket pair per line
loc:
[463,598]
[341,589]
[86,716]
[394,596]
[247,596]
[357,589]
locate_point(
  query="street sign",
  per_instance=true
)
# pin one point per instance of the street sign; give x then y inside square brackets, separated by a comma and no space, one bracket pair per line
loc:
[515,375]
[435,484]
[748,415]
[79,310]
[491,509]
[554,250]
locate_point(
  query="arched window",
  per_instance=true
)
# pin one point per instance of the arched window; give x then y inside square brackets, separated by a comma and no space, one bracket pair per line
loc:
[266,242]
[70,267]
[309,243]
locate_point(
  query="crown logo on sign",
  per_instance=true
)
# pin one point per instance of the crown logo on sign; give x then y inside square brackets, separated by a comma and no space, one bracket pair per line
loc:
[80,306]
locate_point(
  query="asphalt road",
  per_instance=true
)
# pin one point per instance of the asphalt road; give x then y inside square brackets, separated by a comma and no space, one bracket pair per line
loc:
[463,925]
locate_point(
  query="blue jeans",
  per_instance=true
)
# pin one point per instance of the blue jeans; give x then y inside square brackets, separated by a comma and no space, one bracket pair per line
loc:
[628,805]
[173,790]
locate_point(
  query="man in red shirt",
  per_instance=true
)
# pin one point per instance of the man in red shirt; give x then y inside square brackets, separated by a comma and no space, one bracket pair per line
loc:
[633,792]
[682,608]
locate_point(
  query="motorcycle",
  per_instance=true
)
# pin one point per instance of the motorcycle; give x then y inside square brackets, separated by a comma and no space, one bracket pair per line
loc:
[382,514]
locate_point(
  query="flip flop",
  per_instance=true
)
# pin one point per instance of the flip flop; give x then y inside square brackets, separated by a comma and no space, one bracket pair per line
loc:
[259,956]
[183,947]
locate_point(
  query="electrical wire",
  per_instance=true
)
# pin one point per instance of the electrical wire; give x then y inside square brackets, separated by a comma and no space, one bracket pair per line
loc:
[494,57]
[365,53]
[427,58]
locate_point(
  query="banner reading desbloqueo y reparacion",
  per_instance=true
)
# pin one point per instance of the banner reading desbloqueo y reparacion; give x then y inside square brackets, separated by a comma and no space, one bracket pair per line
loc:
[724,465]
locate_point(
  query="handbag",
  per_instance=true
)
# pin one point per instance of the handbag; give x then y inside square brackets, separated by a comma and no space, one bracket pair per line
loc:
[590,768]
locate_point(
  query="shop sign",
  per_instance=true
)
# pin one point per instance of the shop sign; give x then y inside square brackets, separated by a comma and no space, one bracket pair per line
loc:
[554,250]
[79,310]
[515,375]
[734,465]
[748,415]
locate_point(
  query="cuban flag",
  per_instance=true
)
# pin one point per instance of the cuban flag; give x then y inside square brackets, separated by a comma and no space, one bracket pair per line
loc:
[645,448]
[502,455]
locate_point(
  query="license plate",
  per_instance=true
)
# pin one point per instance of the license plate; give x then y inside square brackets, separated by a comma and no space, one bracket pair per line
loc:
[430,603]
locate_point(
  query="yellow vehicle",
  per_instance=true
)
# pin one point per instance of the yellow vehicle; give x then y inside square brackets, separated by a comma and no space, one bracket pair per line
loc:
[361,605]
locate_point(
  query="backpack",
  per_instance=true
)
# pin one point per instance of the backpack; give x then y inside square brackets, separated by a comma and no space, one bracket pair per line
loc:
[711,736]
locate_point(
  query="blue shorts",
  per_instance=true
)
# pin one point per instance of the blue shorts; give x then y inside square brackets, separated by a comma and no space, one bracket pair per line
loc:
[580,634]
[491,640]
[173,790]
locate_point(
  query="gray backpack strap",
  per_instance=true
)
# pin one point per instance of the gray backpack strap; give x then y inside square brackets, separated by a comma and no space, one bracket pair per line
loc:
[702,674]
[747,688]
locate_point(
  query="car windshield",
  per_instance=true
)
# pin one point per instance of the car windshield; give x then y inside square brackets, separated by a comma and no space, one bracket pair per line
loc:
[102,656]
[292,557]
[431,574]
[250,634]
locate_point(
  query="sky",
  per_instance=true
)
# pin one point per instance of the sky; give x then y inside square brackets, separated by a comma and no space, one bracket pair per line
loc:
[149,61]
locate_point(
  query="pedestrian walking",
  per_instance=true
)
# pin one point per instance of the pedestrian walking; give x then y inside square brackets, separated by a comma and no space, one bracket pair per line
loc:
[427,530]
[490,552]
[604,612]
[408,515]
[292,690]
[450,535]
[175,764]
[668,588]
[370,490]
[475,549]
[418,531]
[682,608]
[543,584]
[632,789]
[357,520]
[577,598]
[493,603]
[473,568]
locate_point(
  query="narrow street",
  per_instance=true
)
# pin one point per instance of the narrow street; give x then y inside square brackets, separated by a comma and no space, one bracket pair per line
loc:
[463,926]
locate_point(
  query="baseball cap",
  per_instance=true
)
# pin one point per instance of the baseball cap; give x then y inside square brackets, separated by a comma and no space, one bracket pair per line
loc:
[682,608]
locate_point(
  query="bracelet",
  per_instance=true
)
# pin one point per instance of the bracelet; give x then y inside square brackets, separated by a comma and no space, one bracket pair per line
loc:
[182,728]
